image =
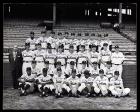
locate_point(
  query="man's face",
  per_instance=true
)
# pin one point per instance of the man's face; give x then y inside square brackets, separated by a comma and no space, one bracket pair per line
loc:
[59,73]
[49,50]
[95,66]
[47,65]
[82,49]
[108,65]
[86,75]
[38,47]
[116,76]
[71,66]
[83,66]
[15,48]
[44,73]
[117,49]
[32,36]
[60,50]
[93,49]
[27,47]
[105,47]
[43,34]
[71,50]
[101,74]
[33,65]
[29,72]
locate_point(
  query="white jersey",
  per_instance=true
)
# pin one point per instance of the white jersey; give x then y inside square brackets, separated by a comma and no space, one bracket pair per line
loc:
[58,79]
[68,70]
[35,71]
[43,41]
[105,55]
[94,57]
[101,81]
[117,83]
[82,57]
[94,71]
[43,78]
[88,80]
[81,71]
[50,57]
[28,55]
[39,55]
[32,43]
[117,58]
[28,77]
[105,41]
[73,81]
[61,57]
[71,57]
[109,71]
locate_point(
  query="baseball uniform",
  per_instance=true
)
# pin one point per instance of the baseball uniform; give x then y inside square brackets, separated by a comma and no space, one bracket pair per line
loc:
[32,43]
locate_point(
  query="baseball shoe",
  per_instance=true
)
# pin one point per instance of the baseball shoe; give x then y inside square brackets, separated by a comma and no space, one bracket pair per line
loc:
[88,95]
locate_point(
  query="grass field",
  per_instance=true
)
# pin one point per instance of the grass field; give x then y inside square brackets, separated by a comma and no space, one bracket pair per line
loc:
[12,100]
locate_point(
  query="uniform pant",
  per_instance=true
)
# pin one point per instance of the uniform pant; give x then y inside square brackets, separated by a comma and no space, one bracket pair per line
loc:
[24,66]
[58,88]
[74,89]
[101,88]
[67,88]
[119,91]
[118,68]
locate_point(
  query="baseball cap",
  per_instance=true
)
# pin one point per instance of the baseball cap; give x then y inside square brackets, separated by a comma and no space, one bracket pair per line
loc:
[116,46]
[105,44]
[95,62]
[27,44]
[86,72]
[84,62]
[44,31]
[93,45]
[33,62]
[28,69]
[31,32]
[116,73]
[39,44]
[101,71]
[58,63]
[46,62]
[71,46]
[72,63]
[83,46]
[108,62]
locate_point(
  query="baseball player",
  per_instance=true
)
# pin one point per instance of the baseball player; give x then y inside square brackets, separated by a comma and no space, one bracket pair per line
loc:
[71,55]
[105,40]
[117,59]
[49,68]
[42,40]
[34,69]
[45,83]
[116,86]
[94,70]
[26,82]
[28,57]
[84,67]
[70,68]
[39,57]
[58,80]
[109,70]
[50,56]
[73,82]
[31,40]
[82,56]
[58,65]
[86,84]
[93,56]
[105,55]
[101,84]
[61,56]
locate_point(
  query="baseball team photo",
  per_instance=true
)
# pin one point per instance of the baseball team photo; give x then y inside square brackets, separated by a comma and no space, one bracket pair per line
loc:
[69,56]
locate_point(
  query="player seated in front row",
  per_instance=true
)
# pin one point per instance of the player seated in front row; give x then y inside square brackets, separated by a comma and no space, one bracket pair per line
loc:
[116,86]
[45,83]
[26,82]
[86,87]
[100,84]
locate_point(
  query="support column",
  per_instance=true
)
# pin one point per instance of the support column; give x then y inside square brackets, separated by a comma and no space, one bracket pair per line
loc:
[54,14]
[120,13]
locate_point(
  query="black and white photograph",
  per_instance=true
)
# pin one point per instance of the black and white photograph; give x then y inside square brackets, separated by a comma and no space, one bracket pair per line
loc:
[70,56]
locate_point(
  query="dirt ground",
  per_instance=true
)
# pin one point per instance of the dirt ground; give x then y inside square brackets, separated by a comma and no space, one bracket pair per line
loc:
[12,100]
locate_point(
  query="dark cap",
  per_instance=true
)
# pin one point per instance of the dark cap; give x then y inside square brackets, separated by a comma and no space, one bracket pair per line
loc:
[86,72]
[33,62]
[73,70]
[49,46]
[84,62]
[72,63]
[66,33]
[28,69]
[44,70]
[116,46]
[105,44]
[39,44]
[108,62]
[94,46]
[116,73]
[71,46]
[59,69]
[58,63]
[27,44]
[90,46]
[52,32]
[101,71]
[44,31]
[46,62]
[83,46]
[32,32]
[95,62]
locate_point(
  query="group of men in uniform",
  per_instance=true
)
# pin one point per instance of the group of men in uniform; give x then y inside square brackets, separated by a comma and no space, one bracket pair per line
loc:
[64,66]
